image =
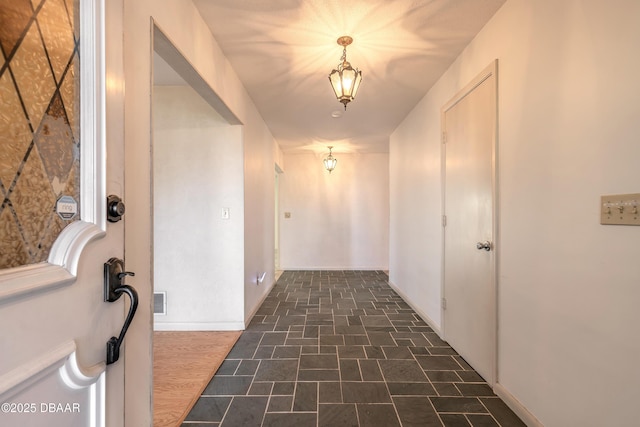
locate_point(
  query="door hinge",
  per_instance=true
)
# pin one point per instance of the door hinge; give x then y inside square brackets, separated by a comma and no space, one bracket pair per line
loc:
[444,220]
[444,303]
[444,137]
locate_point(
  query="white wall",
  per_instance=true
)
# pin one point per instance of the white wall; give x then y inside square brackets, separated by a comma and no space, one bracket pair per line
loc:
[259,211]
[568,133]
[198,170]
[183,25]
[415,228]
[338,220]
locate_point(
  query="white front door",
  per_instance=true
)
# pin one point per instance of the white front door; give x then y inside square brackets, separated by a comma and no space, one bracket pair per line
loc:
[469,133]
[58,163]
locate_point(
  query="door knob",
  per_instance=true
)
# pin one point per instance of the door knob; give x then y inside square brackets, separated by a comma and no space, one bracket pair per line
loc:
[486,245]
[115,208]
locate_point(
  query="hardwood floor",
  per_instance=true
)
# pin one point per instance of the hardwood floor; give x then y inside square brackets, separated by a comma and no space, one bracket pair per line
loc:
[183,365]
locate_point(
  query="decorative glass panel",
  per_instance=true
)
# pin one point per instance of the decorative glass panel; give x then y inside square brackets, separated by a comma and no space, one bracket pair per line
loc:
[39,135]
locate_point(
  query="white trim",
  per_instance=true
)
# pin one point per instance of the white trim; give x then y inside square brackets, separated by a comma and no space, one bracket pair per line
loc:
[22,377]
[514,404]
[77,378]
[248,318]
[333,268]
[63,359]
[415,308]
[16,282]
[93,378]
[68,246]
[92,113]
[98,393]
[198,326]
[62,265]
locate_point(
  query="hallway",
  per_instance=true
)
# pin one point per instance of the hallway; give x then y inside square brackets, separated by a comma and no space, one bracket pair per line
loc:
[341,348]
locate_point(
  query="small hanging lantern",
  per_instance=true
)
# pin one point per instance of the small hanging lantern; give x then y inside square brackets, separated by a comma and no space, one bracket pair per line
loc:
[330,161]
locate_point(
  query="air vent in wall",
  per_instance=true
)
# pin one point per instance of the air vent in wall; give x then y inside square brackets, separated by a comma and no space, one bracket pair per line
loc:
[160,303]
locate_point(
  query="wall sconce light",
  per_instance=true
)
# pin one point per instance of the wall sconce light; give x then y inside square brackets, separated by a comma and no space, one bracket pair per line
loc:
[345,80]
[330,161]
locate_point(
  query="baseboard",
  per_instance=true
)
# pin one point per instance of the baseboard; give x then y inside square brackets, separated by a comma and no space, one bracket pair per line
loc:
[334,268]
[420,313]
[198,326]
[514,404]
[247,319]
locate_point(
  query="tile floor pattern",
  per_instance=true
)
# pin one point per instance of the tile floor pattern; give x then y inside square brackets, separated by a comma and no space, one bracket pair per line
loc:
[341,348]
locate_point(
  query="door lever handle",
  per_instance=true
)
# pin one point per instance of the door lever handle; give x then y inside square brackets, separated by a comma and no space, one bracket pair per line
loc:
[114,287]
[486,245]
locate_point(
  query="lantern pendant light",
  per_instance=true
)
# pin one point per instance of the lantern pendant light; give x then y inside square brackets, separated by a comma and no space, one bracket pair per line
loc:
[330,161]
[345,79]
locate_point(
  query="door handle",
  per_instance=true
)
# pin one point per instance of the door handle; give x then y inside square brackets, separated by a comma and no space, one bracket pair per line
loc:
[114,287]
[486,245]
[115,208]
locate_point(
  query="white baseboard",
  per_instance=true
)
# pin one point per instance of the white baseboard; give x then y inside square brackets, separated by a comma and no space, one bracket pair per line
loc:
[420,313]
[514,404]
[198,326]
[248,318]
[334,268]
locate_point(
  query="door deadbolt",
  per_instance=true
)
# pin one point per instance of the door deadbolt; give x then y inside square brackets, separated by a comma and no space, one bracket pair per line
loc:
[115,208]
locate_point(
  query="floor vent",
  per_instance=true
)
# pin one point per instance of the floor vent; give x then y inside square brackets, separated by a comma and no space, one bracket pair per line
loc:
[160,303]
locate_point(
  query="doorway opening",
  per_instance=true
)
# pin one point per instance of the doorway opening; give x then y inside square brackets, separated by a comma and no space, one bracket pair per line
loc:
[197,204]
[197,188]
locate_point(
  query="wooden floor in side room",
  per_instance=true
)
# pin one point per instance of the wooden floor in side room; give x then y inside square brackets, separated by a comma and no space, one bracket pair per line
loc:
[183,365]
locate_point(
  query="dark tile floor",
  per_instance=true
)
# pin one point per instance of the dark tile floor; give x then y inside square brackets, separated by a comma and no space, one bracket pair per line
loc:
[341,348]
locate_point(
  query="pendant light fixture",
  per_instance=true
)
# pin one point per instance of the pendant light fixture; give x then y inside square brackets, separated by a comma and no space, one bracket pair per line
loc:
[345,79]
[330,161]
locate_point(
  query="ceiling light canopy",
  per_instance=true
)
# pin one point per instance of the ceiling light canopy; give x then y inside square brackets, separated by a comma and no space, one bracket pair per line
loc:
[345,79]
[330,162]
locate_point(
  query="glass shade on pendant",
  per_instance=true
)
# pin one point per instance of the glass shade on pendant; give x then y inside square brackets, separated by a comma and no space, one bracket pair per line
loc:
[345,81]
[330,162]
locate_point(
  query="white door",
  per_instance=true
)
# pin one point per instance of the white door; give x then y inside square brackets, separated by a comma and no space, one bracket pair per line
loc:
[54,233]
[469,135]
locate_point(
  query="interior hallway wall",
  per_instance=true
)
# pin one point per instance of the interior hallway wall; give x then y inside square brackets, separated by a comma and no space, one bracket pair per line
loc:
[338,220]
[183,25]
[259,211]
[568,133]
[198,170]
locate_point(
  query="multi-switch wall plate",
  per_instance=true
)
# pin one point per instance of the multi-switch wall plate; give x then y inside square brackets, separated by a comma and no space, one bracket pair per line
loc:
[620,209]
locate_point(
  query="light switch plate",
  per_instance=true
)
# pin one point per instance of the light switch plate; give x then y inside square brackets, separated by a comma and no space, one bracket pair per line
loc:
[620,209]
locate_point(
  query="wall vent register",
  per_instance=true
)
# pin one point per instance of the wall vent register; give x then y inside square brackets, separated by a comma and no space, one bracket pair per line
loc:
[160,303]
[620,209]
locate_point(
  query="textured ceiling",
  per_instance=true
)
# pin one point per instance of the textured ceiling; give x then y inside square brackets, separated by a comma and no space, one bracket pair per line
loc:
[284,50]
